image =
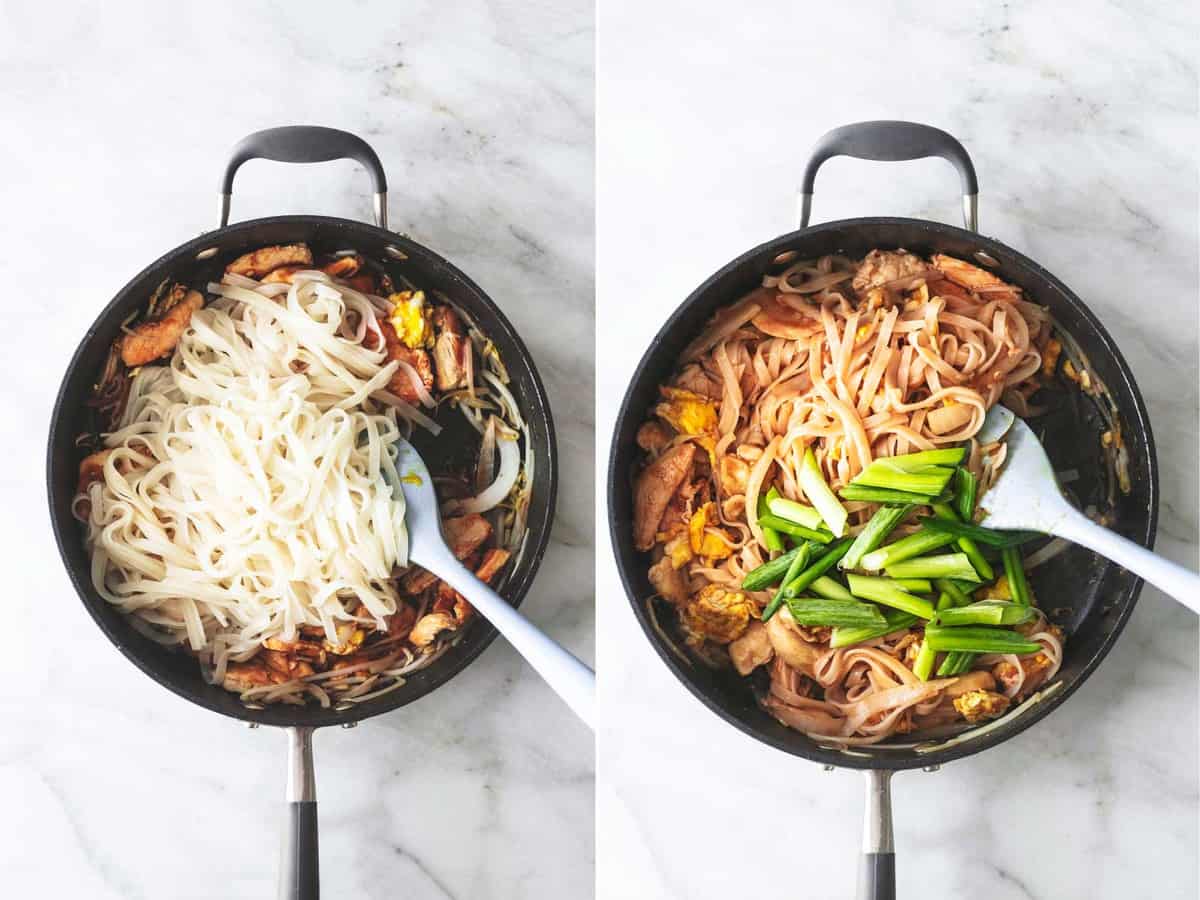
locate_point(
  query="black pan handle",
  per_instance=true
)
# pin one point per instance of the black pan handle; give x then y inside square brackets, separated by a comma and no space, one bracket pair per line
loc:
[299,858]
[877,871]
[887,141]
[305,144]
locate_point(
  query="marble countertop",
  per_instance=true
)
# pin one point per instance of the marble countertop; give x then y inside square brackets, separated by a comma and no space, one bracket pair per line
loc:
[119,120]
[1081,119]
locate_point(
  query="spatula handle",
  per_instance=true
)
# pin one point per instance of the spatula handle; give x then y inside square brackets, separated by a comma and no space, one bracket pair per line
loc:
[1171,578]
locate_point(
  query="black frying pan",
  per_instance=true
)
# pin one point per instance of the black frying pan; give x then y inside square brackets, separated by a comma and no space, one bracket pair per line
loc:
[1092,598]
[203,259]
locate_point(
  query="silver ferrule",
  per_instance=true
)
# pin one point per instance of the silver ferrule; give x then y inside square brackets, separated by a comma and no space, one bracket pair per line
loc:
[971,211]
[301,783]
[381,209]
[877,823]
[803,210]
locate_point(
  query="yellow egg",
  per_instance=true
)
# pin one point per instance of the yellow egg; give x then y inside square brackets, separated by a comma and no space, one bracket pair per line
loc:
[688,412]
[411,318]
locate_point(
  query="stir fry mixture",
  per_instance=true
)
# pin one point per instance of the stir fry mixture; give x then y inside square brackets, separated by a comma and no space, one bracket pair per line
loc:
[236,490]
[808,495]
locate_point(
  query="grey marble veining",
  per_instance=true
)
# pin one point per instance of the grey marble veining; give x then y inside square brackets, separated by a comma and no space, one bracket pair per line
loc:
[1082,121]
[117,123]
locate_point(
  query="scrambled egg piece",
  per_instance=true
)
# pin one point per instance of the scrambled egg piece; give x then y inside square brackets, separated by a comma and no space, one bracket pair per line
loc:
[975,706]
[702,543]
[679,551]
[998,591]
[687,412]
[412,319]
[718,614]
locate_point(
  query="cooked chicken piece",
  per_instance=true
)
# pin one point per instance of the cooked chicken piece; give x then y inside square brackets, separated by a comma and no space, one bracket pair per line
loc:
[944,287]
[695,380]
[669,581]
[493,561]
[653,437]
[156,339]
[255,673]
[301,649]
[975,706]
[465,534]
[717,613]
[91,469]
[1031,673]
[789,645]
[942,714]
[286,665]
[752,649]
[655,488]
[678,515]
[429,626]
[895,269]
[343,267]
[417,580]
[400,623]
[963,273]
[734,474]
[450,350]
[450,601]
[258,263]
[401,385]
[814,634]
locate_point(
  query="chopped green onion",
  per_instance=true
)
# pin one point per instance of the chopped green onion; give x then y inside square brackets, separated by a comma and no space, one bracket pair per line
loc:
[795,512]
[954,589]
[987,536]
[848,637]
[947,565]
[770,573]
[881,495]
[876,531]
[905,548]
[956,663]
[812,482]
[823,564]
[837,613]
[980,639]
[829,589]
[1018,586]
[885,591]
[986,612]
[923,664]
[928,480]
[795,567]
[771,537]
[981,565]
[966,485]
[915,585]
[809,534]
[909,461]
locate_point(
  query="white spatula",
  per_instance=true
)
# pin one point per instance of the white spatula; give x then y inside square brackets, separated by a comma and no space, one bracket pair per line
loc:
[571,679]
[1026,496]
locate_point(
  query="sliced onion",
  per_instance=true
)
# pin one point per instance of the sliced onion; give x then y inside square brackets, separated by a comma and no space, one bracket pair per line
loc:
[485,470]
[1051,550]
[493,495]
[426,398]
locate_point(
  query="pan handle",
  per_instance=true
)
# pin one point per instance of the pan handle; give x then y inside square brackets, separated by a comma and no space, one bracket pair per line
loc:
[299,864]
[889,141]
[305,144]
[877,871]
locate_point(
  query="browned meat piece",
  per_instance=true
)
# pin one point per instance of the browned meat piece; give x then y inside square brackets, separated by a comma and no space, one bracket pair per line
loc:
[695,379]
[401,385]
[400,623]
[963,273]
[653,437]
[342,268]
[465,534]
[790,645]
[493,561]
[255,673]
[259,262]
[1033,668]
[450,350]
[895,269]
[156,339]
[655,487]
[429,626]
[364,283]
[91,469]
[308,650]
[669,581]
[286,665]
[417,580]
[975,706]
[752,649]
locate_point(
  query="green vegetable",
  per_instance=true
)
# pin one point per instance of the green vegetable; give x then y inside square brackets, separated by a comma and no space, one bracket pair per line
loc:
[947,565]
[915,585]
[906,548]
[956,663]
[886,591]
[796,513]
[829,589]
[795,567]
[979,639]
[771,537]
[848,637]
[927,480]
[809,534]
[838,613]
[911,461]
[986,612]
[770,573]
[823,564]
[877,529]
[956,592]
[968,546]
[1018,586]
[966,485]
[923,664]
[881,495]
[812,482]
[982,535]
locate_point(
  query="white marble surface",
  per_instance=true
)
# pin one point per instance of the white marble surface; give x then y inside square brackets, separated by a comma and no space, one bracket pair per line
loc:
[117,121]
[1081,118]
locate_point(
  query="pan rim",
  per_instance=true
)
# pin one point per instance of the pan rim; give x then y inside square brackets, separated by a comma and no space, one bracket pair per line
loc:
[309,715]
[866,758]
